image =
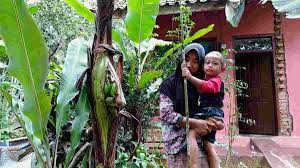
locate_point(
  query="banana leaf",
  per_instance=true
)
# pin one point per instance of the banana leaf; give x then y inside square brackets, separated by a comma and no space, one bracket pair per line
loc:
[2,48]
[28,57]
[82,10]
[118,38]
[81,118]
[197,35]
[131,77]
[140,18]
[75,64]
[148,76]
[33,9]
[6,95]
[28,62]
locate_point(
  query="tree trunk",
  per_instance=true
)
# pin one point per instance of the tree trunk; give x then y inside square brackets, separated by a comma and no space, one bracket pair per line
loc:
[104,139]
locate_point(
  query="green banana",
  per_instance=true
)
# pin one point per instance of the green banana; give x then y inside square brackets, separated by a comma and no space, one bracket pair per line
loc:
[109,101]
[113,90]
[107,89]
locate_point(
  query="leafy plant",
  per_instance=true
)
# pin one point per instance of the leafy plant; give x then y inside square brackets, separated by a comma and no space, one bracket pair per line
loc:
[32,59]
[74,66]
[143,158]
[234,88]
[188,25]
[60,24]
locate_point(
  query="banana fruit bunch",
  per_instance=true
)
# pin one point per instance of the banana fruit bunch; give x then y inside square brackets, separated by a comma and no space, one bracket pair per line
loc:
[110,90]
[114,97]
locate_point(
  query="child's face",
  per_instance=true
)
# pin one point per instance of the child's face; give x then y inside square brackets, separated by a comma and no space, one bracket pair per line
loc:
[212,65]
[192,62]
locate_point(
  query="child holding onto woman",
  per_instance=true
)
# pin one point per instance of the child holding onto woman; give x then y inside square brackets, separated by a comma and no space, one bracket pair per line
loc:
[211,91]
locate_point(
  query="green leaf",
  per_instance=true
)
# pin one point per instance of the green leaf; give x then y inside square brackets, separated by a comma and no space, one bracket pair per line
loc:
[197,35]
[118,38]
[234,10]
[140,18]
[28,57]
[81,118]
[131,77]
[33,9]
[149,45]
[85,160]
[2,50]
[6,95]
[82,10]
[148,76]
[75,64]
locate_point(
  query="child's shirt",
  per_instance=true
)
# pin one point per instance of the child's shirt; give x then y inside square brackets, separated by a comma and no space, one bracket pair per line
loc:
[211,92]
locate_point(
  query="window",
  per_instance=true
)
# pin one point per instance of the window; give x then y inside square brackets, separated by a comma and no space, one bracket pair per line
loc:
[260,43]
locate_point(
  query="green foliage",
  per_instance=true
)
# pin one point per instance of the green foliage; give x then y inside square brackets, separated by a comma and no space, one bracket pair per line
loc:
[142,158]
[117,37]
[82,10]
[188,25]
[131,78]
[74,66]
[18,31]
[184,20]
[3,55]
[148,76]
[33,9]
[6,95]
[60,24]
[234,88]
[30,57]
[81,118]
[186,41]
[140,19]
[11,94]
[5,102]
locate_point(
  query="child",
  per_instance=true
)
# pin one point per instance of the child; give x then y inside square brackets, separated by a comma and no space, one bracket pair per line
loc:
[211,101]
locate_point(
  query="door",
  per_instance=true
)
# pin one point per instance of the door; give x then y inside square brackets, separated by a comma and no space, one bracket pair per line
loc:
[257,108]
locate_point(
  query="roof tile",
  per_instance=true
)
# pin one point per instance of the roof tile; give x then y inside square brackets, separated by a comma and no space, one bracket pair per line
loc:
[121,4]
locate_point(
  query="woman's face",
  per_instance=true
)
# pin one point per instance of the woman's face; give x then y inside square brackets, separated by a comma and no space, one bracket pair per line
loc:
[192,61]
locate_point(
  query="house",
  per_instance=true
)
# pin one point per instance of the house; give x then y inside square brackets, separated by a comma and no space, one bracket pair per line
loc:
[267,44]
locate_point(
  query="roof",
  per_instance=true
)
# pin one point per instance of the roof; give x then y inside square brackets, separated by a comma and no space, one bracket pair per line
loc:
[121,4]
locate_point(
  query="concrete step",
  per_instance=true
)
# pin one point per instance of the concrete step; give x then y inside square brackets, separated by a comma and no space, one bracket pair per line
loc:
[274,154]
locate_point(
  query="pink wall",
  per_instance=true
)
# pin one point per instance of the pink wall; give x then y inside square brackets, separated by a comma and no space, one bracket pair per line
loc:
[257,19]
[292,54]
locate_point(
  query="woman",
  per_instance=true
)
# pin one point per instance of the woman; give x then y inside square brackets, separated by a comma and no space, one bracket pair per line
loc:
[172,110]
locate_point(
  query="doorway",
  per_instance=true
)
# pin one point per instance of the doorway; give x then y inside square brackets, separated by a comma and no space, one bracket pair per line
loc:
[258,106]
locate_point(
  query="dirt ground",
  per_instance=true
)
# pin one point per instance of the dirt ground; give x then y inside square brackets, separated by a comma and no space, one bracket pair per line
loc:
[297,159]
[250,162]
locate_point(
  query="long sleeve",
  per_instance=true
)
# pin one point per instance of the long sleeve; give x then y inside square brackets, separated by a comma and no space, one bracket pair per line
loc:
[167,113]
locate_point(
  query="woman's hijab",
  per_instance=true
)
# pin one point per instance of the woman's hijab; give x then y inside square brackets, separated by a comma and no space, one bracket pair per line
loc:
[173,85]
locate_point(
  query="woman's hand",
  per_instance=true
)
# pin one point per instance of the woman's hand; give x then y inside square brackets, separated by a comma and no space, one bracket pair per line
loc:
[202,127]
[216,124]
